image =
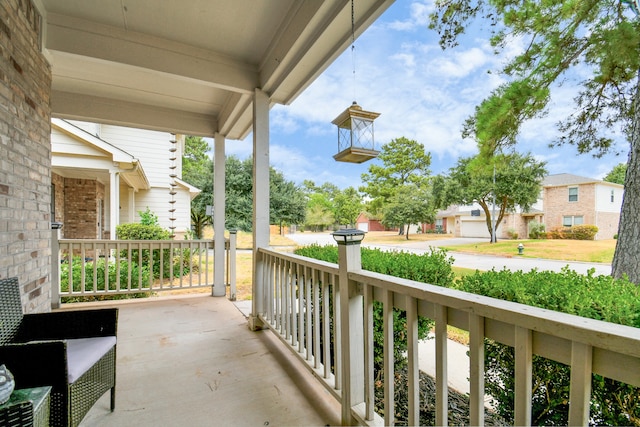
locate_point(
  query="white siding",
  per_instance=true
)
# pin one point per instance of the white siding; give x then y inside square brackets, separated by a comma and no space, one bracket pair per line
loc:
[150,147]
[157,200]
[63,143]
[92,128]
[603,198]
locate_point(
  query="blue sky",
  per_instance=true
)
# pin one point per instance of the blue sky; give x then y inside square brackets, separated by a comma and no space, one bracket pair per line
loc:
[421,92]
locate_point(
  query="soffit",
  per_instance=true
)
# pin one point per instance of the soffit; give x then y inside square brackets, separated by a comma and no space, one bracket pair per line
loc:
[190,67]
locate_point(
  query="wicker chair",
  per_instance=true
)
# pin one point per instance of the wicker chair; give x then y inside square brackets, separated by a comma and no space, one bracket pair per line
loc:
[51,349]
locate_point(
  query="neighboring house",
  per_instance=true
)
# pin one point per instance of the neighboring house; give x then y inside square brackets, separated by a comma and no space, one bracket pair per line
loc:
[103,175]
[366,223]
[565,200]
[573,200]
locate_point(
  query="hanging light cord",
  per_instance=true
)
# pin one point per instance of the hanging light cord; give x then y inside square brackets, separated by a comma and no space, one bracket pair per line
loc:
[353,49]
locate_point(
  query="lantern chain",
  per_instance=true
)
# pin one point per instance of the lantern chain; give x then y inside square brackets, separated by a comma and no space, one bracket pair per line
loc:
[353,48]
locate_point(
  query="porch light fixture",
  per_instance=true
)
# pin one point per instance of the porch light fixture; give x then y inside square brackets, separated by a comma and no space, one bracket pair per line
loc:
[356,143]
[348,236]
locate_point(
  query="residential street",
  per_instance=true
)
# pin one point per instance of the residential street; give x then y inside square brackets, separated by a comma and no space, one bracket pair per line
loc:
[466,260]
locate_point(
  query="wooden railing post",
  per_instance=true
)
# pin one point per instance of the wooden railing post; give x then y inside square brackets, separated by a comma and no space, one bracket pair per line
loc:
[233,239]
[55,264]
[351,322]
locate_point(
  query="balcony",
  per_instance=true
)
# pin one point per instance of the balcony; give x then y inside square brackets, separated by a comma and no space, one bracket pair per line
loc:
[193,359]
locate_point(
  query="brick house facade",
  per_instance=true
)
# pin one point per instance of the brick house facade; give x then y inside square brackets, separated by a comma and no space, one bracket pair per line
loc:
[83,209]
[572,200]
[565,200]
[25,180]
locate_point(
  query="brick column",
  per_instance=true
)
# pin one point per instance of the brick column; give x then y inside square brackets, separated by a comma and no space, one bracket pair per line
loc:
[25,154]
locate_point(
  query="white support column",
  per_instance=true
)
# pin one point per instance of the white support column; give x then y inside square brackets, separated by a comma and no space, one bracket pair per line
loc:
[351,330]
[114,203]
[260,200]
[132,205]
[219,287]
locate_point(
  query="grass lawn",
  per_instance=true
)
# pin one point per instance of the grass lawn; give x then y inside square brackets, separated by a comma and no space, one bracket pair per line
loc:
[566,250]
[245,240]
[392,237]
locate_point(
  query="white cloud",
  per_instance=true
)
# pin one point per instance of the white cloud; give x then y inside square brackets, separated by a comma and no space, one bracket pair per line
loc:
[422,93]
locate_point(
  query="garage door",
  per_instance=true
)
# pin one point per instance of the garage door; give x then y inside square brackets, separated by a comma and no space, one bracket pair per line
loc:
[474,229]
[363,226]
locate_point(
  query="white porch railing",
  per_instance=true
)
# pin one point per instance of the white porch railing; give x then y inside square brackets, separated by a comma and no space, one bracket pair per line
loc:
[324,313]
[112,267]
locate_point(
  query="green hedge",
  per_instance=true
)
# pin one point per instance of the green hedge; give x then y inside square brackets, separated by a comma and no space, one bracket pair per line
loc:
[433,267]
[595,297]
[136,231]
[76,279]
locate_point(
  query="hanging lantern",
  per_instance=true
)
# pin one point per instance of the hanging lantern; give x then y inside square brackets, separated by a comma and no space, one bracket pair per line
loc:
[355,125]
[356,142]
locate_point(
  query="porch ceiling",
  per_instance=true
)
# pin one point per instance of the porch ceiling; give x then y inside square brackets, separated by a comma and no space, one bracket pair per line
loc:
[190,67]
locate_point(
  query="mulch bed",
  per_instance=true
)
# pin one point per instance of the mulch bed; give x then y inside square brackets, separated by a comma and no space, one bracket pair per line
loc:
[458,403]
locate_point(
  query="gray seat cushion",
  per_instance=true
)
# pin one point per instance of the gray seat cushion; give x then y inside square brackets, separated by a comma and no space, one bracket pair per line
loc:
[83,353]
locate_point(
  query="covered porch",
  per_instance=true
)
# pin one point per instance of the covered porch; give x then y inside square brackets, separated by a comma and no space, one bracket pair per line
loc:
[191,360]
[195,359]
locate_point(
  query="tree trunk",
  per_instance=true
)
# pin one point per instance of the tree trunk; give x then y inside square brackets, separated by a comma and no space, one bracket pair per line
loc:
[626,259]
[489,220]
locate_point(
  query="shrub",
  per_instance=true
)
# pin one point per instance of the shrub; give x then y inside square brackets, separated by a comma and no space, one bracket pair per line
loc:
[584,232]
[136,231]
[536,230]
[433,267]
[148,218]
[596,297]
[557,233]
[577,232]
[100,265]
[512,233]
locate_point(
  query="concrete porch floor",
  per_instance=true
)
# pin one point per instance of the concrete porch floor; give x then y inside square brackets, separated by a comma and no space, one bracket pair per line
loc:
[192,361]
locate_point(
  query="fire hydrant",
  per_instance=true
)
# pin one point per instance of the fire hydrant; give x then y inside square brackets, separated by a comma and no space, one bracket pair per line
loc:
[520,249]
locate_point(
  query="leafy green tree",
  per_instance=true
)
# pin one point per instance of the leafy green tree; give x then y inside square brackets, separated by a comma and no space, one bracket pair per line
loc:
[197,170]
[409,205]
[515,181]
[348,205]
[319,211]
[617,174]
[599,36]
[404,161]
[287,201]
[238,193]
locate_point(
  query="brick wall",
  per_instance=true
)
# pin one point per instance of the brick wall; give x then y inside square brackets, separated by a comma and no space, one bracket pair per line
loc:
[607,225]
[81,201]
[25,180]
[557,205]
